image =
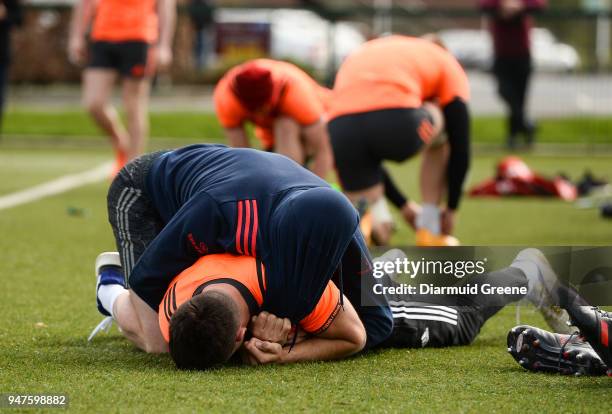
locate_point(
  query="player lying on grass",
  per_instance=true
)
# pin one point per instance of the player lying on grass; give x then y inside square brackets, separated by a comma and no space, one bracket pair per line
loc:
[393,98]
[207,309]
[169,208]
[286,105]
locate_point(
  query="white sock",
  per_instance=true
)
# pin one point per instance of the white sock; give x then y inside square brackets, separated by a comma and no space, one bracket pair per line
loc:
[429,218]
[531,271]
[108,294]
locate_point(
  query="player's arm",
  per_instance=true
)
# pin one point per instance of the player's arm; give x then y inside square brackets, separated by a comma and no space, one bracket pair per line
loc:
[457,121]
[139,323]
[344,337]
[318,141]
[166,10]
[82,14]
[303,104]
[237,137]
[408,208]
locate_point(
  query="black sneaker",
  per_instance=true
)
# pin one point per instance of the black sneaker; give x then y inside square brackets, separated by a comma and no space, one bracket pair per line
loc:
[596,326]
[541,351]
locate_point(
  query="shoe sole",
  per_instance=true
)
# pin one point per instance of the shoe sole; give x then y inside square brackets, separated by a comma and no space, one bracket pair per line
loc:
[106,259]
[537,356]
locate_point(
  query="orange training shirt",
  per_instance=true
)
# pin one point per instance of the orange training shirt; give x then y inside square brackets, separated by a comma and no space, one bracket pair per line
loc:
[241,270]
[125,20]
[295,95]
[397,72]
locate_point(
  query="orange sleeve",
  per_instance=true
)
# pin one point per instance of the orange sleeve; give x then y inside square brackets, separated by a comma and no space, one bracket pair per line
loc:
[229,111]
[324,313]
[454,83]
[302,102]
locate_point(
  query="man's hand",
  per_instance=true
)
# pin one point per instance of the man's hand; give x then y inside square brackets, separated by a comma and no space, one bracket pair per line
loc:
[77,50]
[256,352]
[164,58]
[447,221]
[410,211]
[267,327]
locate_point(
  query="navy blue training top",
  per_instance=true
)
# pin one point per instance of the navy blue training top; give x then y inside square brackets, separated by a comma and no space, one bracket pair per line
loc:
[215,199]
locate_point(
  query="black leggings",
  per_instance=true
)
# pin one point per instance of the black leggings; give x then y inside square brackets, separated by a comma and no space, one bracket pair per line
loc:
[451,320]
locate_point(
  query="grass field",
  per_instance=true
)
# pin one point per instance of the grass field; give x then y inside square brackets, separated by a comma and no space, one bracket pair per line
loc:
[48,308]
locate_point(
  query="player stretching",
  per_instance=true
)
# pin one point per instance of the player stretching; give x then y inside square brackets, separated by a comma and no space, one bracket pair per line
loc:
[128,40]
[169,208]
[392,99]
[286,106]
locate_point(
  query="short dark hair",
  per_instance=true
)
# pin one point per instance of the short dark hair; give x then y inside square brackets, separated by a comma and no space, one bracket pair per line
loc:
[203,331]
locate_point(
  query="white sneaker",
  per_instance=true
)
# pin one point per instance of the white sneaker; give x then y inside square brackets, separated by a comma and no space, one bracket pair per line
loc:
[103,259]
[541,293]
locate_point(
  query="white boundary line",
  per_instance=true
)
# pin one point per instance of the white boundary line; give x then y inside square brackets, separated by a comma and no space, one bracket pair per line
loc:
[57,186]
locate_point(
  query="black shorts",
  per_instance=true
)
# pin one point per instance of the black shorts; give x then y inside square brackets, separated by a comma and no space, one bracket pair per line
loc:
[361,142]
[131,59]
[131,214]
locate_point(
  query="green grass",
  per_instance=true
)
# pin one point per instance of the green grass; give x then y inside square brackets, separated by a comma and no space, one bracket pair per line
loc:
[196,125]
[47,308]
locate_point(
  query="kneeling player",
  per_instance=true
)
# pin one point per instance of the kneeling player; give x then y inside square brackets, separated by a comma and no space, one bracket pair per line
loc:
[392,99]
[169,208]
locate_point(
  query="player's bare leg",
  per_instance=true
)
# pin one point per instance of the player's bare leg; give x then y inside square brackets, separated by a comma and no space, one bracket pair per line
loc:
[97,91]
[287,139]
[433,183]
[136,102]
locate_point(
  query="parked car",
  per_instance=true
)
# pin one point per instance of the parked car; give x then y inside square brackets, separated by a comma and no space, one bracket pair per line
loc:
[474,49]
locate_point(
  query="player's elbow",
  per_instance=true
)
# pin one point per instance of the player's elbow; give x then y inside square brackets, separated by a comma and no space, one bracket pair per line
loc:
[155,348]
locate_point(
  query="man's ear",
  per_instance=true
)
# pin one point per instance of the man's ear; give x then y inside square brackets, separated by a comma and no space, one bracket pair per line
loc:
[240,334]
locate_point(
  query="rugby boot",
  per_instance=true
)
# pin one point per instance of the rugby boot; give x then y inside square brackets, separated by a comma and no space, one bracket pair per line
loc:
[595,325]
[541,351]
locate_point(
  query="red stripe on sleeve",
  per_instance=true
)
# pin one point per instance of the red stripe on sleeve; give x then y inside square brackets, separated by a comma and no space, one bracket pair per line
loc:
[239,228]
[604,333]
[255,226]
[247,227]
